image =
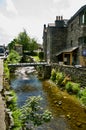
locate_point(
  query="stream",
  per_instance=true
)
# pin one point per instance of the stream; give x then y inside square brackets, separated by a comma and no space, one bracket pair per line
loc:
[67,112]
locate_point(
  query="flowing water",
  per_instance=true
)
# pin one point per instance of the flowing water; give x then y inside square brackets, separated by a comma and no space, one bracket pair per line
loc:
[67,112]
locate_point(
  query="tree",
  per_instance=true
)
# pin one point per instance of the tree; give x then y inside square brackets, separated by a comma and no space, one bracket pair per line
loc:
[33,45]
[24,40]
[13,57]
[28,44]
[12,44]
[41,55]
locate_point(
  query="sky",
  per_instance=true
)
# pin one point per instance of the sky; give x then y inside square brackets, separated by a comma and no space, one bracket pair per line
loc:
[31,15]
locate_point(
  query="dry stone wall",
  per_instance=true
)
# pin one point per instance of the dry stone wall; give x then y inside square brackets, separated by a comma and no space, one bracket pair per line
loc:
[78,74]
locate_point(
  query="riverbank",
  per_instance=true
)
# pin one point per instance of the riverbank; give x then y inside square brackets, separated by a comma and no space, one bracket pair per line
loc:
[67,112]
[65,105]
[2,104]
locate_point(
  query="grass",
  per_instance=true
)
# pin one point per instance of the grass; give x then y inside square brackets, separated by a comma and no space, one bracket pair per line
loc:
[36,58]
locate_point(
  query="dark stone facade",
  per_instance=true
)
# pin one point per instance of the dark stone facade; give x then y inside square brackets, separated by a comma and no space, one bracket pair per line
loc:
[65,40]
[54,39]
[45,42]
[58,41]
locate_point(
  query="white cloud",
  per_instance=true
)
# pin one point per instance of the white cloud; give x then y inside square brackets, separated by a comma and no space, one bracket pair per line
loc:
[4,21]
[55,1]
[61,3]
[10,7]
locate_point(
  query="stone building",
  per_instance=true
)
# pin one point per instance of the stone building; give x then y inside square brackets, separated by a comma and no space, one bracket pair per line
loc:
[64,41]
[54,38]
[18,48]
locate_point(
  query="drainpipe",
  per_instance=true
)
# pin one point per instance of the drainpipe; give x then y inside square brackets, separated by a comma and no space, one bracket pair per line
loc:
[71,58]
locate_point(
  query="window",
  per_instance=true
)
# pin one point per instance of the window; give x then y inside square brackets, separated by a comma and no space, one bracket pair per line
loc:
[85,40]
[85,17]
[71,27]
[82,18]
[82,40]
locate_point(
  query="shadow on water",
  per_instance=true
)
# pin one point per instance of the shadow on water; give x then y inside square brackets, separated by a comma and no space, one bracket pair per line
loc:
[30,85]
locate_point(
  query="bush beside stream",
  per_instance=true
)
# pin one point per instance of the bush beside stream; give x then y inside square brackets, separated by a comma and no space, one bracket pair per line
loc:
[65,83]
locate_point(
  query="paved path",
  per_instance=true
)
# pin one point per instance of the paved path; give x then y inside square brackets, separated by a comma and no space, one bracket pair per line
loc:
[1,74]
[2,107]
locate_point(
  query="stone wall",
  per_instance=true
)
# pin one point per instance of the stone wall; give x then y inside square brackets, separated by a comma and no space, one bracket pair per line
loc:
[47,71]
[74,32]
[77,74]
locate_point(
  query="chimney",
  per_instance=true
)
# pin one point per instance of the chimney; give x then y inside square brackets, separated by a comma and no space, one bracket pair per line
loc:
[57,17]
[44,25]
[59,21]
[61,17]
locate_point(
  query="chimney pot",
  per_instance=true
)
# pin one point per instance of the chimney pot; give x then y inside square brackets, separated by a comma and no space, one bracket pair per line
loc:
[44,25]
[57,18]
[61,17]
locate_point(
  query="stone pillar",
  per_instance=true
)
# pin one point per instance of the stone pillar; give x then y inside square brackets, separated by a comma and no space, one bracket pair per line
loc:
[47,71]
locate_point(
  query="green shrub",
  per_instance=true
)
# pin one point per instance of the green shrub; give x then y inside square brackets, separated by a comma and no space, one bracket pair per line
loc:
[32,112]
[17,122]
[72,87]
[36,58]
[82,96]
[41,55]
[6,70]
[68,87]
[11,101]
[53,75]
[13,57]
[59,78]
[82,93]
[66,79]
[83,100]
[76,88]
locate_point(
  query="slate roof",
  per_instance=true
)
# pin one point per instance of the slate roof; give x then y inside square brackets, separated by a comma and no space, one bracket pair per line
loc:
[67,50]
[51,24]
[77,13]
[70,49]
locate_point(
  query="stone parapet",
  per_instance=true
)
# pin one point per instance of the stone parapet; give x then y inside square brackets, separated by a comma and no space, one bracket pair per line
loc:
[78,74]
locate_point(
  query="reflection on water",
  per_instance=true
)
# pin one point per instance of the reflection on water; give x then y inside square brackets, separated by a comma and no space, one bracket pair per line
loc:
[26,87]
[31,86]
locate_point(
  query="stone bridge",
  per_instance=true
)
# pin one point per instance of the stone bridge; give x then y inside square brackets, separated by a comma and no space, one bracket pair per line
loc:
[28,64]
